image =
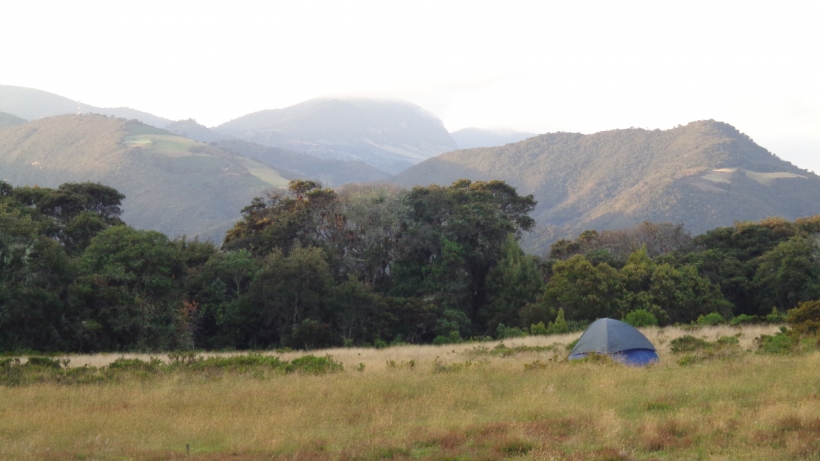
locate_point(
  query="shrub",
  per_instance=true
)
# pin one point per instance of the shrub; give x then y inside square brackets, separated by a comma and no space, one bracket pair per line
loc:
[504,332]
[744,319]
[315,365]
[775,317]
[687,343]
[559,326]
[782,342]
[805,318]
[641,318]
[122,363]
[711,319]
[539,329]
[45,362]
[452,338]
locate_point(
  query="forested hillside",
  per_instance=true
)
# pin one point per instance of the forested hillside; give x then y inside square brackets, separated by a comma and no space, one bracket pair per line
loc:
[173,184]
[705,174]
[310,267]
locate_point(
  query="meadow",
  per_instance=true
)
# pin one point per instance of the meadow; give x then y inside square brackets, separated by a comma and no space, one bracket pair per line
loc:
[483,401]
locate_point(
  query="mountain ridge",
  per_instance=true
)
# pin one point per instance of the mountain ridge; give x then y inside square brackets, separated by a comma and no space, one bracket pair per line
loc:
[618,178]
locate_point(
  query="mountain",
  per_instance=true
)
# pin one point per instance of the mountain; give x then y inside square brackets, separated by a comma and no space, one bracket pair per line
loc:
[469,138]
[32,104]
[172,184]
[705,174]
[331,172]
[10,120]
[388,135]
[193,130]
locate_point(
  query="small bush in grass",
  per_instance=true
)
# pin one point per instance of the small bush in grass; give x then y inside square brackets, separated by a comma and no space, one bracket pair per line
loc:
[45,362]
[314,365]
[153,364]
[776,316]
[711,319]
[504,332]
[687,343]
[782,342]
[453,338]
[641,318]
[744,319]
[539,329]
[560,325]
[698,350]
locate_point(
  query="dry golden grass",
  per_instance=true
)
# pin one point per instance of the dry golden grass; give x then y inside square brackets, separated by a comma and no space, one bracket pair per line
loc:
[752,407]
[352,357]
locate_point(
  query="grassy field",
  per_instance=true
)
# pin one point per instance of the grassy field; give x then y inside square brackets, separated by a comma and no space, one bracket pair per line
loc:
[458,402]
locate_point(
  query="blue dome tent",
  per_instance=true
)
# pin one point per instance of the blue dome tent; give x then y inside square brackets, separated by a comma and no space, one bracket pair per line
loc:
[616,339]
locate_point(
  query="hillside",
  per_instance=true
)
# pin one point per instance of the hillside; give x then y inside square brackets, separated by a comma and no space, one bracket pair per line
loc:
[32,104]
[388,135]
[10,120]
[172,184]
[469,138]
[705,174]
[331,172]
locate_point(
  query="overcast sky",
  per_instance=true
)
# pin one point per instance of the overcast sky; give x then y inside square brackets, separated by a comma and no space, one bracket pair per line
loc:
[536,66]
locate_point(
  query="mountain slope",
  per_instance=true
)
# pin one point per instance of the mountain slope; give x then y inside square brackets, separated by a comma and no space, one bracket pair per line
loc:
[706,174]
[389,135]
[172,184]
[330,172]
[10,120]
[469,138]
[32,104]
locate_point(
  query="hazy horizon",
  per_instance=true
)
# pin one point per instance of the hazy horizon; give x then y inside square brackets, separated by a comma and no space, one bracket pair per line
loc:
[528,66]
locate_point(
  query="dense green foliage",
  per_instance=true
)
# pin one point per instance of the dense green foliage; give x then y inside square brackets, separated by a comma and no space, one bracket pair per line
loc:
[311,267]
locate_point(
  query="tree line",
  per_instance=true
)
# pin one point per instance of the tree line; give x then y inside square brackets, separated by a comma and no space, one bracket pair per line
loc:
[310,267]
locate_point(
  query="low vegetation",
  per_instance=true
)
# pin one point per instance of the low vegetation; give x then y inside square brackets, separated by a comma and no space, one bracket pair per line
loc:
[513,399]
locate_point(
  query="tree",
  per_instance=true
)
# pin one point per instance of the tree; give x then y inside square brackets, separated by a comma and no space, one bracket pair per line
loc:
[584,291]
[129,293]
[512,284]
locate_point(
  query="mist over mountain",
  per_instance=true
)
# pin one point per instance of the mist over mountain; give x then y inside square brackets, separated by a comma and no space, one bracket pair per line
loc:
[172,184]
[469,138]
[705,174]
[388,135]
[32,104]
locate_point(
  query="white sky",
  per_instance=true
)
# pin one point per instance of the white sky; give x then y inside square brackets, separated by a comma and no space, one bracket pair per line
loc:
[539,66]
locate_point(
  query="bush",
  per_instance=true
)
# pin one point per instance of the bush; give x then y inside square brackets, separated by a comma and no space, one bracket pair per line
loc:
[744,319]
[539,329]
[782,342]
[315,365]
[641,318]
[776,317]
[504,332]
[711,319]
[122,363]
[805,318]
[452,338]
[559,326]
[687,343]
[45,362]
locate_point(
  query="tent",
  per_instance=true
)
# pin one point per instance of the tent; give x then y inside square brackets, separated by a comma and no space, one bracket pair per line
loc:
[616,339]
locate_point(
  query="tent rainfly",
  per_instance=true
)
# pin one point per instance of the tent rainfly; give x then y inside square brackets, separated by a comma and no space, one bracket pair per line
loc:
[616,339]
